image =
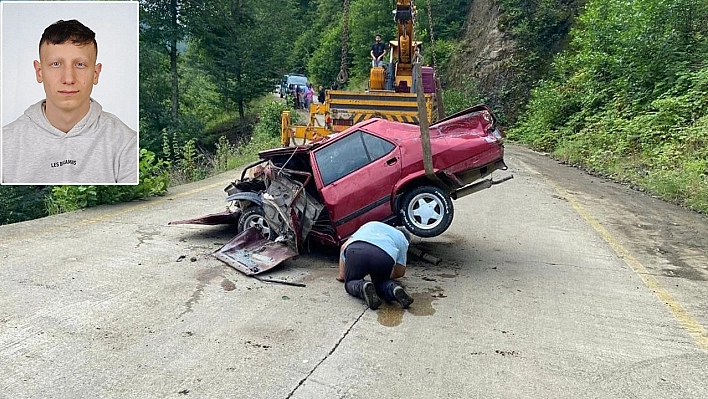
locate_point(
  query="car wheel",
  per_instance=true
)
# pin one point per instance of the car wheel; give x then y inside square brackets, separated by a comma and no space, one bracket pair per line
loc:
[253,217]
[427,211]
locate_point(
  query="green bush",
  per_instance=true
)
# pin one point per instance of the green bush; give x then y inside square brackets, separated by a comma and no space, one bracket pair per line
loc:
[154,180]
[266,133]
[630,97]
[20,203]
[459,98]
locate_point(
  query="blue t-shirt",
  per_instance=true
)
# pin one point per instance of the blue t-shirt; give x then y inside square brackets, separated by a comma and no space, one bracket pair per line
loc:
[388,238]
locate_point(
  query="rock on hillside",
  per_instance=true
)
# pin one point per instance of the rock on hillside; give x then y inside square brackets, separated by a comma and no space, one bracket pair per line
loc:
[484,50]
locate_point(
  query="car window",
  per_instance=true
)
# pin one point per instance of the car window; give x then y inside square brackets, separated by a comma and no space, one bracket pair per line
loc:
[341,158]
[298,80]
[350,154]
[377,147]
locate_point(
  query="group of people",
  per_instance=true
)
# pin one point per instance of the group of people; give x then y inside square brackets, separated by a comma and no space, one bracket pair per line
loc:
[304,96]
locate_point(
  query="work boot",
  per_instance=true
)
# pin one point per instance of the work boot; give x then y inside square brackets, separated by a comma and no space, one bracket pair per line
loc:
[370,296]
[402,297]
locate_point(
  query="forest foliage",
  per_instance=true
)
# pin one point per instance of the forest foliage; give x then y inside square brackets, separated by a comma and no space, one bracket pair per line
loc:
[628,98]
[620,87]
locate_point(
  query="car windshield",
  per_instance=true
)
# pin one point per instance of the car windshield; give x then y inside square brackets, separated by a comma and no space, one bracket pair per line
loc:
[298,80]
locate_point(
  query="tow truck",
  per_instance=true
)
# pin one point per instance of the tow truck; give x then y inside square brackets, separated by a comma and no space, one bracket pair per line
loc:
[390,94]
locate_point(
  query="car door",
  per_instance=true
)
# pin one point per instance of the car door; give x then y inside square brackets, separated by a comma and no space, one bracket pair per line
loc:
[356,175]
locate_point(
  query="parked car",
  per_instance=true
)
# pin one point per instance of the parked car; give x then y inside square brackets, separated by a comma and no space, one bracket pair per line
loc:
[294,81]
[325,190]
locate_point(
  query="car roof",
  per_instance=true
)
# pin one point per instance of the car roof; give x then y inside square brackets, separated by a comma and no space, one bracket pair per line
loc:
[390,129]
[387,129]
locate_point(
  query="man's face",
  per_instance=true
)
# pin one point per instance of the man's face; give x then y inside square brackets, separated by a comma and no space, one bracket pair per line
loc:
[68,73]
[378,39]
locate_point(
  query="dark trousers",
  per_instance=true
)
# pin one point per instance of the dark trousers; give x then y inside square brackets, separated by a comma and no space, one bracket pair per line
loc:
[363,258]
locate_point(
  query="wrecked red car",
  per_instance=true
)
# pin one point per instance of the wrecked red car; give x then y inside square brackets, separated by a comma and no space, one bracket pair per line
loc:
[325,190]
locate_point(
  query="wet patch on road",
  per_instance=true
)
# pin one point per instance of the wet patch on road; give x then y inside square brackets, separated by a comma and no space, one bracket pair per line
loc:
[145,235]
[318,272]
[391,314]
[228,285]
[685,273]
[447,275]
[204,277]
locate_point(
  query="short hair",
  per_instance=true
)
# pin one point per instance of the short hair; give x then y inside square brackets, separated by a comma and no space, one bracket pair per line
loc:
[62,31]
[377,36]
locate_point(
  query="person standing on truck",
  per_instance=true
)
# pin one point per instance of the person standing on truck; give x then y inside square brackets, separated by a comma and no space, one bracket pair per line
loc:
[378,50]
[378,250]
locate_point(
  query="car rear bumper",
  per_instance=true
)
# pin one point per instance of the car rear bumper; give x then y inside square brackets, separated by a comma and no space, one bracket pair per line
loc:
[468,182]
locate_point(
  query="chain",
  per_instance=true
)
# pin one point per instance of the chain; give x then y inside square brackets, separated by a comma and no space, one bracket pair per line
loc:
[432,36]
[343,76]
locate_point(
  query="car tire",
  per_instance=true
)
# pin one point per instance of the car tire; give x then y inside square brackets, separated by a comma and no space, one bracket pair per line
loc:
[253,217]
[427,211]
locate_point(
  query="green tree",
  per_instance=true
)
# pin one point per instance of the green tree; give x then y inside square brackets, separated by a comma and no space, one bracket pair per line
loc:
[162,21]
[324,65]
[367,19]
[154,94]
[240,46]
[20,203]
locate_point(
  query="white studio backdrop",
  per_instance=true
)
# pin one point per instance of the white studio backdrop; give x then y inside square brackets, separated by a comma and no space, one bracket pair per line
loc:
[116,26]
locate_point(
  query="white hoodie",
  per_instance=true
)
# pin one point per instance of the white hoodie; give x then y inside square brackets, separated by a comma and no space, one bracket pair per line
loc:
[99,149]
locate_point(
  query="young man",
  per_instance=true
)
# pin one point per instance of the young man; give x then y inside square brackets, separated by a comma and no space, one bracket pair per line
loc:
[67,138]
[378,250]
[378,50]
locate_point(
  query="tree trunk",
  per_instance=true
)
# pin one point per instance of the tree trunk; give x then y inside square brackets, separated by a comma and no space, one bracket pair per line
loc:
[239,95]
[173,62]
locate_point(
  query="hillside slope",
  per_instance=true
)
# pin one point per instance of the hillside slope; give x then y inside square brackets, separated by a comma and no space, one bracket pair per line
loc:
[484,51]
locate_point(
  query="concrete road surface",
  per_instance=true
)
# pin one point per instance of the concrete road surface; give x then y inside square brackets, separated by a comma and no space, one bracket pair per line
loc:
[555,284]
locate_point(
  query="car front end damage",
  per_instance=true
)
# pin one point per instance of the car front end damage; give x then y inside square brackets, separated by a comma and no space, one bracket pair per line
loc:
[289,213]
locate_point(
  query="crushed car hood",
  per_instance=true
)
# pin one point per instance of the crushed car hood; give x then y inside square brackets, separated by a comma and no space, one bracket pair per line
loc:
[250,253]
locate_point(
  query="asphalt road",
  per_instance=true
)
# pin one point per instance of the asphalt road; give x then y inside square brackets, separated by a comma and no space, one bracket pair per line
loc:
[555,284]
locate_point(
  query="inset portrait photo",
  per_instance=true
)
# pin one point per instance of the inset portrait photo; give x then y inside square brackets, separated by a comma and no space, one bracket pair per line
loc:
[69,92]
